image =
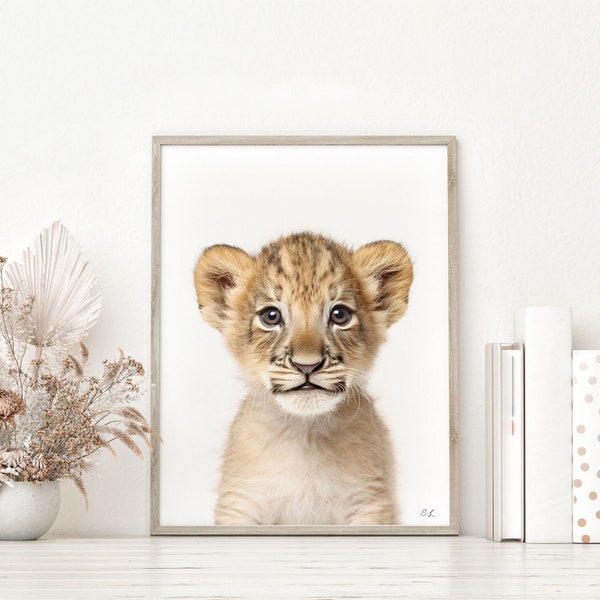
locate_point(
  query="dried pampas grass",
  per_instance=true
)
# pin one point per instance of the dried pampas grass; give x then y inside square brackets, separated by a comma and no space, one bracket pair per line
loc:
[54,415]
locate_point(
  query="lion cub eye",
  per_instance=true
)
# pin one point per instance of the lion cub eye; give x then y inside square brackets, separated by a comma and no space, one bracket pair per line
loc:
[270,316]
[340,315]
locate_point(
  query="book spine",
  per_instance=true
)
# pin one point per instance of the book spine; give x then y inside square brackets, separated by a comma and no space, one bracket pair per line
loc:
[512,442]
[493,443]
[546,336]
[489,444]
[497,440]
[586,449]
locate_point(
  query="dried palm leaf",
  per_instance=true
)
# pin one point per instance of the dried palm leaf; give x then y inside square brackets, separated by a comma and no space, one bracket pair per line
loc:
[56,275]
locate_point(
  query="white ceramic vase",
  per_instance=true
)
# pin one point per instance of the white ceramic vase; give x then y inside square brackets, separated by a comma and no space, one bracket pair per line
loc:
[28,509]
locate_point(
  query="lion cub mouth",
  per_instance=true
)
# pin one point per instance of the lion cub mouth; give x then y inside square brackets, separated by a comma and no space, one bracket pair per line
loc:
[308,400]
[307,385]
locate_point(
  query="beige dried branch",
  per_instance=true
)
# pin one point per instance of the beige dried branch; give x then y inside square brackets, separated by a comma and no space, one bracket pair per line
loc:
[85,353]
[126,439]
[72,363]
[78,481]
[105,444]
[134,428]
[129,412]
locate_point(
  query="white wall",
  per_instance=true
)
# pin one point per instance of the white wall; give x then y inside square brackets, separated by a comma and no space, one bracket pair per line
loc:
[84,86]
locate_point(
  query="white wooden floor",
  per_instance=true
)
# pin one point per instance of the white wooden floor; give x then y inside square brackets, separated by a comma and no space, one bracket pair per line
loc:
[296,567]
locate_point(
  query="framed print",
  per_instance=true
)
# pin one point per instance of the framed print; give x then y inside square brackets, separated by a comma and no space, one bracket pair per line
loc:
[304,335]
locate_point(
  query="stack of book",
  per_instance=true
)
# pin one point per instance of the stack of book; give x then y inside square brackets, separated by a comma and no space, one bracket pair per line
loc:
[543,426]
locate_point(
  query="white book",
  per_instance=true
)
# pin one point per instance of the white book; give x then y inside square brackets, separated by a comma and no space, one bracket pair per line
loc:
[586,449]
[504,424]
[546,336]
[512,443]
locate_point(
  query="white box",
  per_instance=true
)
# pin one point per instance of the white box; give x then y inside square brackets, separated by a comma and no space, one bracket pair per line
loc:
[546,336]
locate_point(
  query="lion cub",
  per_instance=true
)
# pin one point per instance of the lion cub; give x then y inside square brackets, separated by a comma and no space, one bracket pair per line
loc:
[305,318]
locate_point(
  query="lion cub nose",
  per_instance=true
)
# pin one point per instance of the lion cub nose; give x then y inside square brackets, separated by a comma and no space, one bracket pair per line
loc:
[308,369]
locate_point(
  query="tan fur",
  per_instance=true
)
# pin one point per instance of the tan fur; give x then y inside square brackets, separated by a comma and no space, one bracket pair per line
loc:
[316,456]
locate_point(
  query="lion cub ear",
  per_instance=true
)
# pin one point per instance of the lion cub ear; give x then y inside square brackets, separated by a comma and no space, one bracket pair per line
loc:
[388,272]
[219,271]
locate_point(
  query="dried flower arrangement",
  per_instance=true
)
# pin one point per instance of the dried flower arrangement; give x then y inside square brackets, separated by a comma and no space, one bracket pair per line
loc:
[54,416]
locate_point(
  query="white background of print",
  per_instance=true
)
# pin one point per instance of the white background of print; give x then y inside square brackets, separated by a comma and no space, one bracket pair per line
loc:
[249,195]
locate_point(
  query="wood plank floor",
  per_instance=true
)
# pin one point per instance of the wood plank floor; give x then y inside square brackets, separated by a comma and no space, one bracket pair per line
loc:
[267,568]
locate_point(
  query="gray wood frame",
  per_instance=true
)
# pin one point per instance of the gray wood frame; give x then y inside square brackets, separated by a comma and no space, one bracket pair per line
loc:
[450,142]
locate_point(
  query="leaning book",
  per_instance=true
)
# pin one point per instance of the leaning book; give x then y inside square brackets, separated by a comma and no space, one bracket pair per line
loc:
[504,435]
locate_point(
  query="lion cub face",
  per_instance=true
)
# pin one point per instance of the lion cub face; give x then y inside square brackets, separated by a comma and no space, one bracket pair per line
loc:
[304,317]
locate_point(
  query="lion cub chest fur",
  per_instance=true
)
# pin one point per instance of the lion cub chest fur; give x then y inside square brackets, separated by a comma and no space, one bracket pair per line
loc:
[305,318]
[284,472]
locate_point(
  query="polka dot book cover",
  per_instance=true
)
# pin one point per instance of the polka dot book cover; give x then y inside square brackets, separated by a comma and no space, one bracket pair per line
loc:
[586,446]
